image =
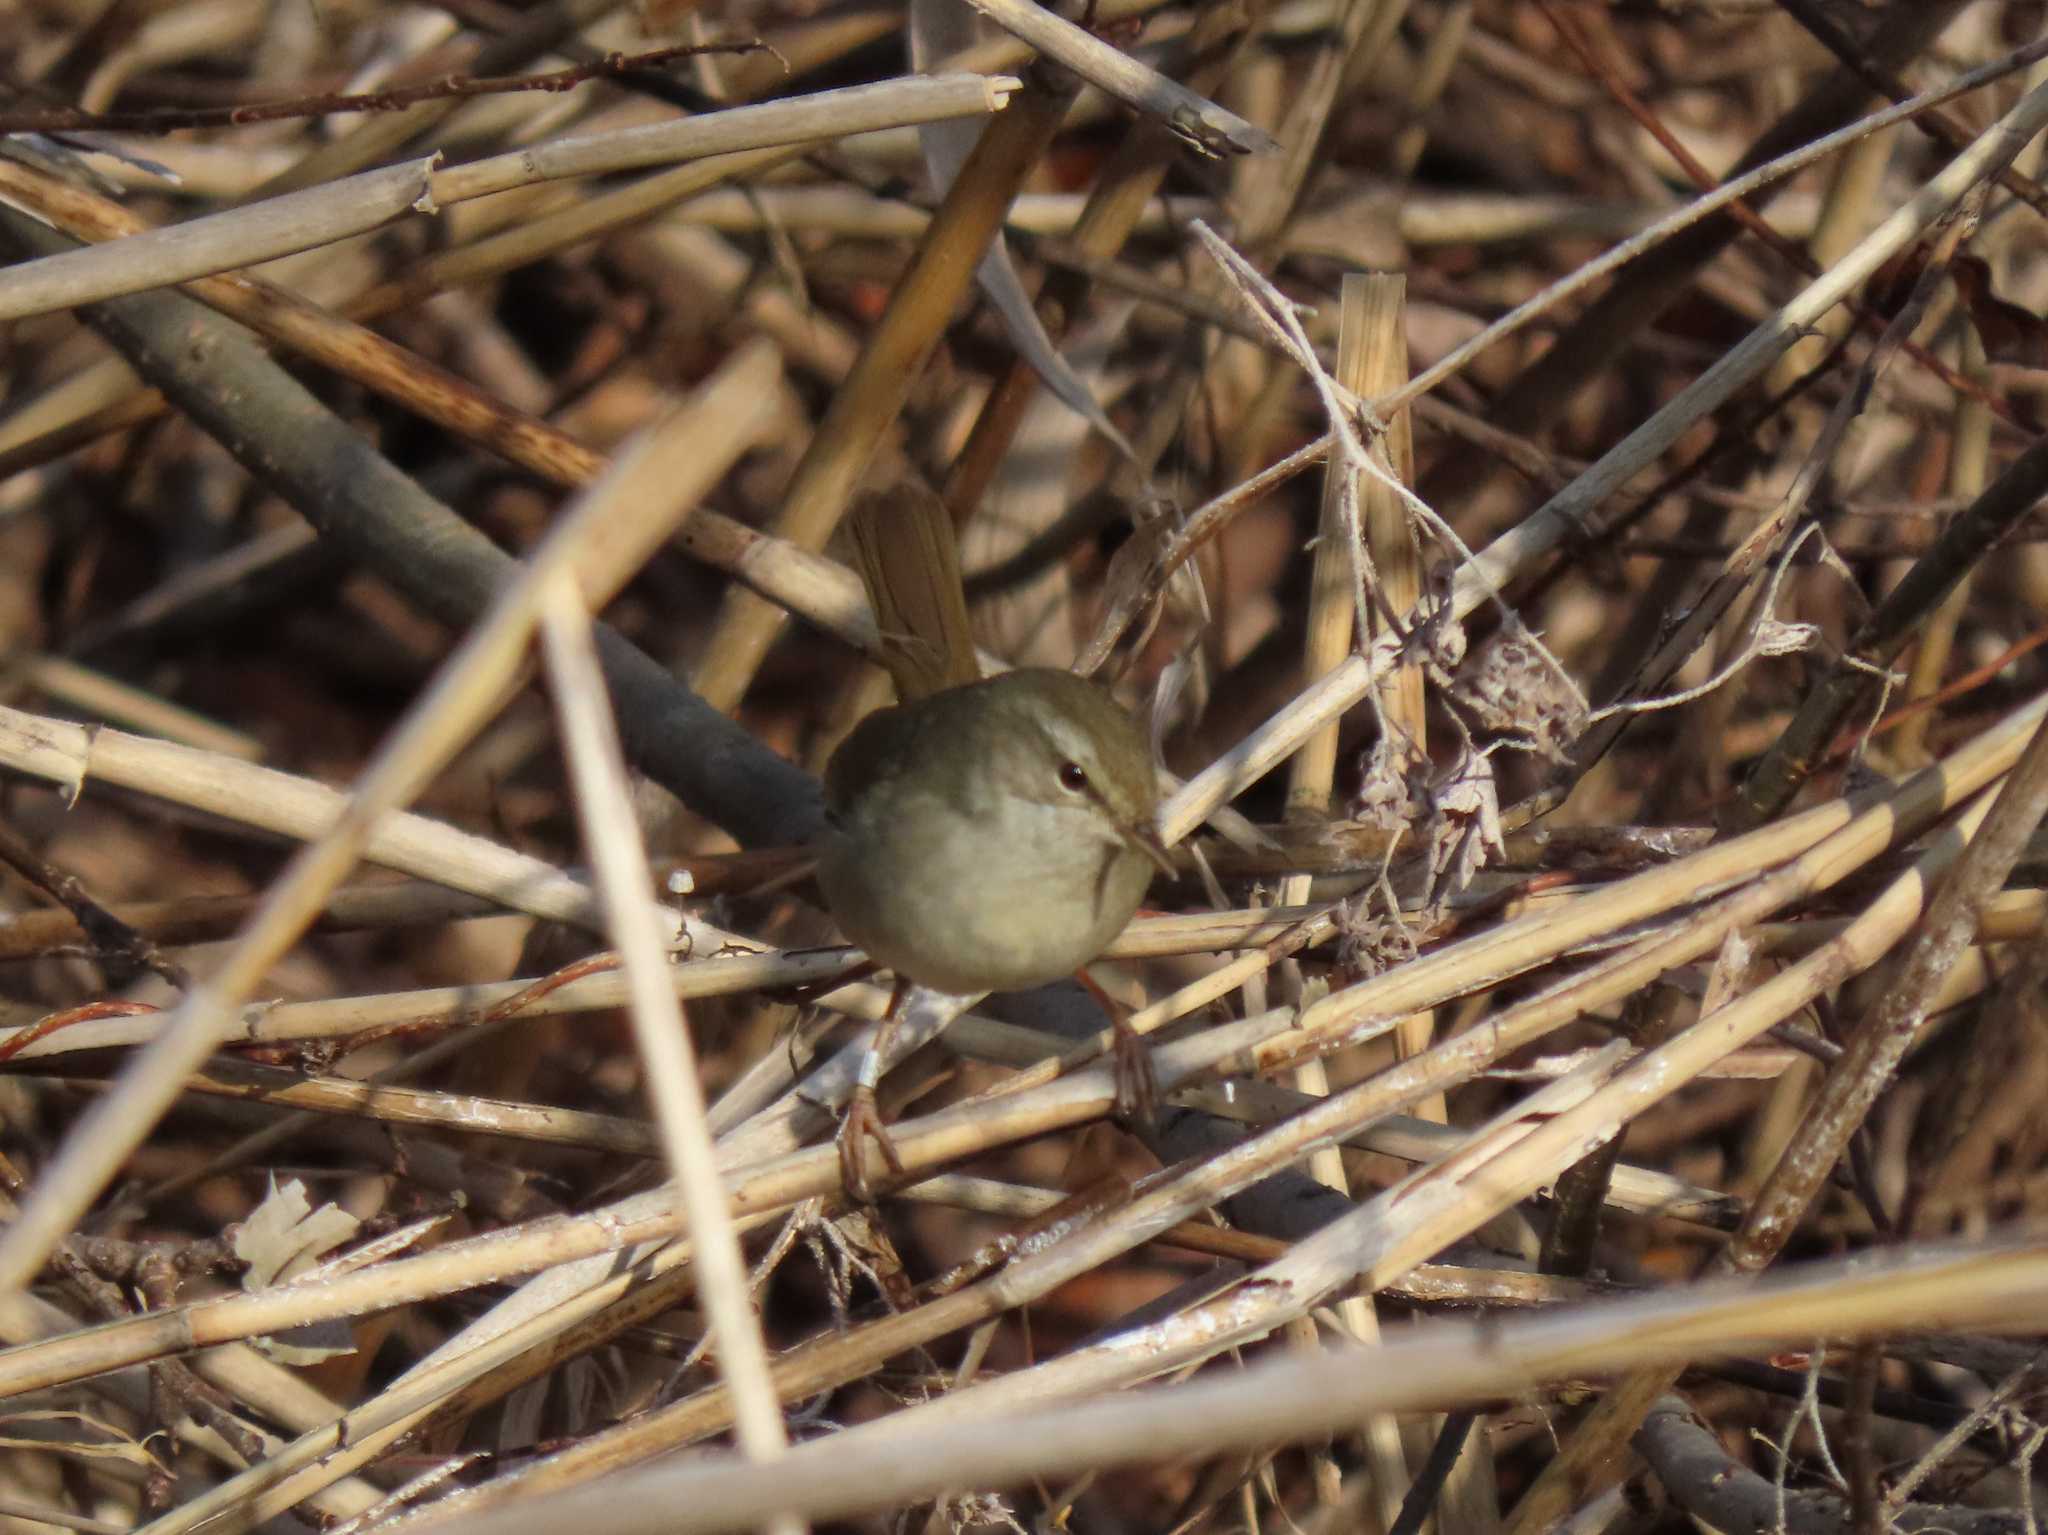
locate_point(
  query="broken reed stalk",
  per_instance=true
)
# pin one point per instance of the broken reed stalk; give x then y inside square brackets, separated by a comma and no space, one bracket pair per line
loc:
[1372,357]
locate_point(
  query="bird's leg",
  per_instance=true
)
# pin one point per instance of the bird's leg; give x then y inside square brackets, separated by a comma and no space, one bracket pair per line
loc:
[804,993]
[863,1118]
[1137,1087]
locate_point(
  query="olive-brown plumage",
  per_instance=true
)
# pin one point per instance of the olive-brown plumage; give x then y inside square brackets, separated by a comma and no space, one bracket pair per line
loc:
[992,836]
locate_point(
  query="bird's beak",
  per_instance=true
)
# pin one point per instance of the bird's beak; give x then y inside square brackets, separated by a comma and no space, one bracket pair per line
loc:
[1146,841]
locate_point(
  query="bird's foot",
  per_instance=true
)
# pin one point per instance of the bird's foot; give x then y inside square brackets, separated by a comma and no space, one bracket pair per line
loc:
[1137,1085]
[863,1122]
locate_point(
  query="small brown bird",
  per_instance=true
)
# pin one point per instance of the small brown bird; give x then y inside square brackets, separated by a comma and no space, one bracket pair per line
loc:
[986,834]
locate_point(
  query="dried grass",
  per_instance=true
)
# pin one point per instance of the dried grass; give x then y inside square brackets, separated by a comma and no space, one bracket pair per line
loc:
[1652,892]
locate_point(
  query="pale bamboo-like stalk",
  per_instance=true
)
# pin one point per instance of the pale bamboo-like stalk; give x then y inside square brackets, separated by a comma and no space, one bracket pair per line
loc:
[1297,1397]
[278,227]
[108,396]
[818,115]
[109,698]
[321,215]
[735,964]
[72,756]
[1390,537]
[390,1104]
[1425,217]
[726,413]
[1372,356]
[338,1017]
[597,763]
[1207,126]
[1342,564]
[1393,551]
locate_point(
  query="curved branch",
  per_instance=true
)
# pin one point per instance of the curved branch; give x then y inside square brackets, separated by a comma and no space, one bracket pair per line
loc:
[1704,1482]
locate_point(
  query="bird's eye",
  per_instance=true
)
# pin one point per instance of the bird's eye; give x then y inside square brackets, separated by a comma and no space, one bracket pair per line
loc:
[1073,777]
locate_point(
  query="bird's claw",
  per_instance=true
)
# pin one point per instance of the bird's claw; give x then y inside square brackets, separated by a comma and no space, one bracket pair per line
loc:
[1137,1085]
[863,1121]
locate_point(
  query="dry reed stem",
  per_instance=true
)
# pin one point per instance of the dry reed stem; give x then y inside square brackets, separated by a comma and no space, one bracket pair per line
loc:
[1064,1251]
[72,756]
[1207,126]
[948,1134]
[867,403]
[415,1106]
[1570,954]
[437,394]
[639,931]
[1545,528]
[281,227]
[739,965]
[1372,356]
[727,412]
[1392,542]
[1428,218]
[96,693]
[811,118]
[1495,1167]
[1641,1190]
[1393,547]
[1301,1397]
[1345,562]
[1969,471]
[339,1017]
[1851,1086]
